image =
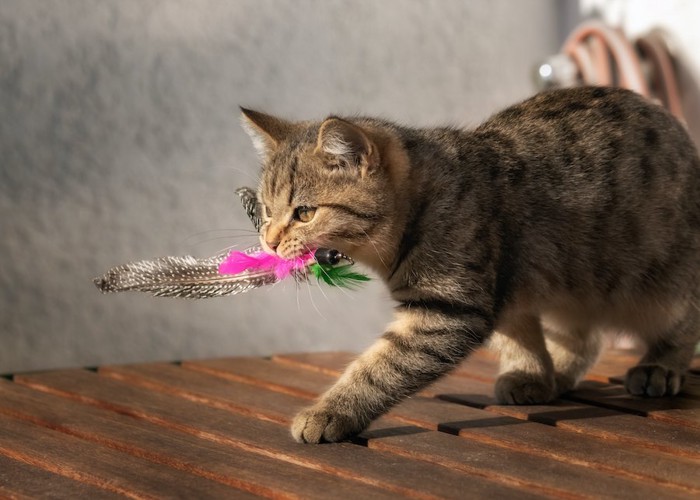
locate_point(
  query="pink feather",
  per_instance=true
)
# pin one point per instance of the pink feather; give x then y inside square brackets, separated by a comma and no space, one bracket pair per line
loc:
[238,262]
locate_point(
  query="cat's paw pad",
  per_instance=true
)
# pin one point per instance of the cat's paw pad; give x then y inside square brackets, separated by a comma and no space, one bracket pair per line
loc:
[315,425]
[520,388]
[653,381]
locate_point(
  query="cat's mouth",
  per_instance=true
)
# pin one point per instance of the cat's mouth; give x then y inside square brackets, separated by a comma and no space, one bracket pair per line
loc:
[290,249]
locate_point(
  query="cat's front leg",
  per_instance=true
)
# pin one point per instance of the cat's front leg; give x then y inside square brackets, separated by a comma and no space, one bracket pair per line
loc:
[427,339]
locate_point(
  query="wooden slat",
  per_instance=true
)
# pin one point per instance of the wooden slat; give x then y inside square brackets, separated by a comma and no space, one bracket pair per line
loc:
[616,361]
[285,379]
[389,475]
[329,363]
[243,470]
[675,410]
[21,480]
[542,440]
[244,398]
[695,364]
[99,466]
[474,458]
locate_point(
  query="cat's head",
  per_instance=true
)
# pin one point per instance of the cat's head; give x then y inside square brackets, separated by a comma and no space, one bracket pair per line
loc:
[323,184]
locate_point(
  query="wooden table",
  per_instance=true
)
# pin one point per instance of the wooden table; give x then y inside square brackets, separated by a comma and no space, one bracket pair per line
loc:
[219,429]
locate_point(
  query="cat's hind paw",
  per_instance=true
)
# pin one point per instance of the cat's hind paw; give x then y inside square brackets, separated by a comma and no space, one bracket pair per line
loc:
[653,381]
[315,425]
[520,388]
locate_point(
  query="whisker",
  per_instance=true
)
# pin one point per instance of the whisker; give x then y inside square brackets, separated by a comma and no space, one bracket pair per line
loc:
[313,303]
[244,172]
[221,230]
[228,248]
[324,271]
[321,290]
[217,238]
[297,293]
[376,250]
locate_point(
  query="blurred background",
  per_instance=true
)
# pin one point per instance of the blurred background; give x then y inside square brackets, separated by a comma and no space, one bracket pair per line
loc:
[120,141]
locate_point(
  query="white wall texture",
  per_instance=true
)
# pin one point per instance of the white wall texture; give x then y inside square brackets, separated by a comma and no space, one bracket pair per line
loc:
[119,141]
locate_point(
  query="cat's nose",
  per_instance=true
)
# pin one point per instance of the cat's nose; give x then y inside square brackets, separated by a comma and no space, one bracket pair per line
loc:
[272,244]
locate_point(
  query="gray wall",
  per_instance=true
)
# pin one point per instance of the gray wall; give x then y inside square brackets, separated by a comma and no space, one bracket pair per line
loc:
[119,140]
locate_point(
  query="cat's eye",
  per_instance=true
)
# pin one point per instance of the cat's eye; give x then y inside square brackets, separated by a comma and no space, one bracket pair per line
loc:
[304,214]
[268,213]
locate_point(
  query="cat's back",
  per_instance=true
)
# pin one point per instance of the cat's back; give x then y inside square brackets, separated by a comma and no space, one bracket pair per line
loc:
[601,192]
[594,153]
[595,124]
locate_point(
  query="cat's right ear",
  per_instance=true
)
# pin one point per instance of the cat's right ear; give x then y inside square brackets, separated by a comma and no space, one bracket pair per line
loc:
[348,144]
[265,131]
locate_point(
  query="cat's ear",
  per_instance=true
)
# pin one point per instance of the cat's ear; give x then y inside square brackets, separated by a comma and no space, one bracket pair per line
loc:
[348,144]
[266,131]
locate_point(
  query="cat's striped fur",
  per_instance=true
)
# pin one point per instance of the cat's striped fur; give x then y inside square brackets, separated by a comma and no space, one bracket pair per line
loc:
[574,212]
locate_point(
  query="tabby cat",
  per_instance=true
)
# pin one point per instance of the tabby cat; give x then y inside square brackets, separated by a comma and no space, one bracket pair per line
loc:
[574,212]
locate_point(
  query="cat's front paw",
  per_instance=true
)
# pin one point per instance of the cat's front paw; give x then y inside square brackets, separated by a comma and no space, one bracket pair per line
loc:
[316,425]
[653,381]
[520,388]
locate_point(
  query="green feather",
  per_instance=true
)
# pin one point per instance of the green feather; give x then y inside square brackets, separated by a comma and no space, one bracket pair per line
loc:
[341,276]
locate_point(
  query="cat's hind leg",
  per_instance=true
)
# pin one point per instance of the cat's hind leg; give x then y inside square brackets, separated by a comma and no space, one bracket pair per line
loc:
[661,371]
[526,369]
[574,349]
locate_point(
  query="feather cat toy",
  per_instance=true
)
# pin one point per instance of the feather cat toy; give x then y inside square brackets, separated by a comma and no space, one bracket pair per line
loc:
[230,272]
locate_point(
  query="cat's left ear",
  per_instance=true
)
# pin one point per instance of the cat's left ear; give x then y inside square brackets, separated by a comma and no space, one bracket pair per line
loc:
[349,145]
[266,131]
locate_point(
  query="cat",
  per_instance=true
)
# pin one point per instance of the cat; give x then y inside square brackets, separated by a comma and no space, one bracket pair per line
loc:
[573,212]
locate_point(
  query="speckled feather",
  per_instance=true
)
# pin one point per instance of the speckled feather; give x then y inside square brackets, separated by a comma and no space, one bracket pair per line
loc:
[185,277]
[189,277]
